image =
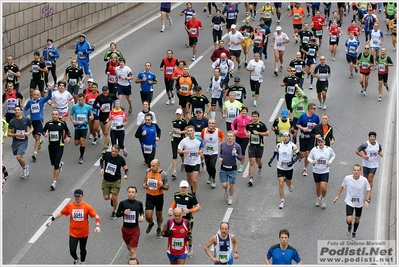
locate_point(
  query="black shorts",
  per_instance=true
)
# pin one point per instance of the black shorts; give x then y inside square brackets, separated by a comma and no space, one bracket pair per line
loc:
[365,74]
[354,7]
[318,36]
[321,177]
[167,10]
[374,6]
[175,143]
[192,41]
[152,202]
[255,151]
[336,42]
[294,121]
[394,34]
[306,144]
[349,211]
[102,118]
[230,22]
[367,171]
[37,127]
[218,100]
[288,101]
[217,35]
[321,86]
[55,153]
[189,168]
[254,3]
[146,96]
[40,84]
[297,26]
[340,5]
[168,84]
[124,90]
[243,142]
[9,116]
[287,174]
[383,77]
[73,89]
[183,100]
[277,5]
[80,133]
[310,61]
[235,53]
[350,59]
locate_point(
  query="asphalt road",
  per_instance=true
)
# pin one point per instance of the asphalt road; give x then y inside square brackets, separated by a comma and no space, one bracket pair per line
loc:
[254,216]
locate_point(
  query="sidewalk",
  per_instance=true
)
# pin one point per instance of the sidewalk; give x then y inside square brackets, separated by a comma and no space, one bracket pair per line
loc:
[99,36]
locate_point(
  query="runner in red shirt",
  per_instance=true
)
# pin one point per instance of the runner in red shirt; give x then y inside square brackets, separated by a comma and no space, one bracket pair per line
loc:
[193,26]
[335,32]
[318,22]
[354,28]
[111,74]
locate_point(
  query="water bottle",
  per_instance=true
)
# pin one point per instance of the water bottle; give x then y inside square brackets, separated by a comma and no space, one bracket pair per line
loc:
[233,152]
[208,89]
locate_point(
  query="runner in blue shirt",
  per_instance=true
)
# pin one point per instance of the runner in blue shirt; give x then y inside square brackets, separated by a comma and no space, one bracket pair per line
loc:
[146,79]
[35,107]
[282,253]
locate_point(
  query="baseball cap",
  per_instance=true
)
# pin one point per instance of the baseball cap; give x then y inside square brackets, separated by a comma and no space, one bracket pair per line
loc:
[237,79]
[183,183]
[82,35]
[284,113]
[105,88]
[36,53]
[320,138]
[233,26]
[117,101]
[78,193]
[179,111]
[278,28]
[286,134]
[197,88]
[90,80]
[198,109]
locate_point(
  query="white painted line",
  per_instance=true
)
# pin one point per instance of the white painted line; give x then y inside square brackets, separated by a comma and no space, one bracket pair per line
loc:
[274,114]
[246,171]
[43,228]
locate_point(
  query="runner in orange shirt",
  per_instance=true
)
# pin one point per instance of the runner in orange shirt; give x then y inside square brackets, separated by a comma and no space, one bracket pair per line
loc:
[79,212]
[298,13]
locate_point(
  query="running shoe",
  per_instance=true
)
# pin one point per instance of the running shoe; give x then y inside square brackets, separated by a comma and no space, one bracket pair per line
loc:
[324,106]
[163,29]
[34,156]
[158,235]
[203,165]
[317,204]
[209,180]
[364,93]
[61,165]
[240,169]
[333,58]
[53,185]
[187,45]
[90,136]
[255,104]
[41,142]
[104,150]
[351,75]
[172,100]
[251,182]
[230,201]
[75,262]
[320,106]
[323,204]
[193,58]
[174,175]
[213,183]
[281,68]
[311,86]
[356,70]
[226,194]
[379,98]
[305,172]
[190,252]
[80,160]
[282,203]
[387,88]
[254,18]
[149,228]
[170,22]
[130,110]
[204,9]
[278,21]
[245,64]
[349,230]
[94,141]
[259,171]
[168,102]
[353,236]
[275,73]
[113,215]
[125,152]
[239,66]
[291,188]
[182,167]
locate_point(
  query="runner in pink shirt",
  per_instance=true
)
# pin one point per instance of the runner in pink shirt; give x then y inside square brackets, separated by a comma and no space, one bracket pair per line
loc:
[238,126]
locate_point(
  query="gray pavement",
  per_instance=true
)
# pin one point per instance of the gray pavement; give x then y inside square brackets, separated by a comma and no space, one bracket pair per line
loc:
[255,219]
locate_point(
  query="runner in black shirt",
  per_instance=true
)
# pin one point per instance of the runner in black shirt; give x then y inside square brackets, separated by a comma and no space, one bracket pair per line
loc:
[177,134]
[198,101]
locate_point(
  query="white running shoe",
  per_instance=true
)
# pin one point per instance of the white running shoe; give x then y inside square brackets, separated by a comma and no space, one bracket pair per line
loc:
[172,100]
[230,201]
[168,102]
[282,204]
[90,136]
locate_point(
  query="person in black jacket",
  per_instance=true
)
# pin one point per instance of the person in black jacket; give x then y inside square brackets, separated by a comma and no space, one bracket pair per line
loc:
[324,130]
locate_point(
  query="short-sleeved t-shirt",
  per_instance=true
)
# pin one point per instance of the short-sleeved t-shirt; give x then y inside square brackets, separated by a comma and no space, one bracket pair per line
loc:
[283,256]
[79,218]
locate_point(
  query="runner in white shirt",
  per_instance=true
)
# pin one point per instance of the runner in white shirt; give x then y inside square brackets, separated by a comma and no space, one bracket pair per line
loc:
[321,156]
[225,65]
[192,148]
[355,186]
[255,67]
[60,99]
[125,77]
[278,43]
[235,39]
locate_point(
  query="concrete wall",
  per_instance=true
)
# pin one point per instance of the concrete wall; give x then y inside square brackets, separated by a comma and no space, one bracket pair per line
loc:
[26,26]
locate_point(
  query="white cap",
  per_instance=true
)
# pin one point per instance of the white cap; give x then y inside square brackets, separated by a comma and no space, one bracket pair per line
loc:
[183,183]
[179,111]
[90,80]
[278,28]
[233,26]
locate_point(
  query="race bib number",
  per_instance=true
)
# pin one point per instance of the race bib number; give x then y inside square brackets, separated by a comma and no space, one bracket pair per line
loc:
[193,153]
[231,115]
[177,243]
[19,132]
[184,88]
[319,32]
[10,76]
[78,215]
[193,31]
[174,134]
[35,108]
[298,68]
[247,34]
[181,206]
[223,256]
[290,89]
[305,39]
[255,139]
[323,77]
[299,108]
[268,15]
[81,55]
[169,70]
[381,67]
[110,168]
[130,218]
[375,42]
[73,82]
[188,17]
[216,27]
[296,15]
[152,184]
[284,164]
[54,136]
[147,149]
[35,68]
[310,125]
[107,107]
[312,52]
[231,16]
[81,118]
[355,199]
[10,108]
[321,161]
[48,64]
[333,38]
[112,78]
[365,65]
[352,49]
[238,95]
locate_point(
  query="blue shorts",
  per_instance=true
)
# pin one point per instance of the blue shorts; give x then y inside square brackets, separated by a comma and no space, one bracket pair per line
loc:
[173,258]
[321,177]
[124,90]
[367,171]
[37,127]
[228,176]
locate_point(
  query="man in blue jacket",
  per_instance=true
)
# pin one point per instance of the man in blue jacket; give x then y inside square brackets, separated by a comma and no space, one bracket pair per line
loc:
[83,50]
[149,134]
[50,55]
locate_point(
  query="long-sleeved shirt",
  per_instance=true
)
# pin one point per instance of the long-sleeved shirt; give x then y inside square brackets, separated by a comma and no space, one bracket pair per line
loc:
[229,162]
[46,53]
[83,50]
[152,132]
[35,107]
